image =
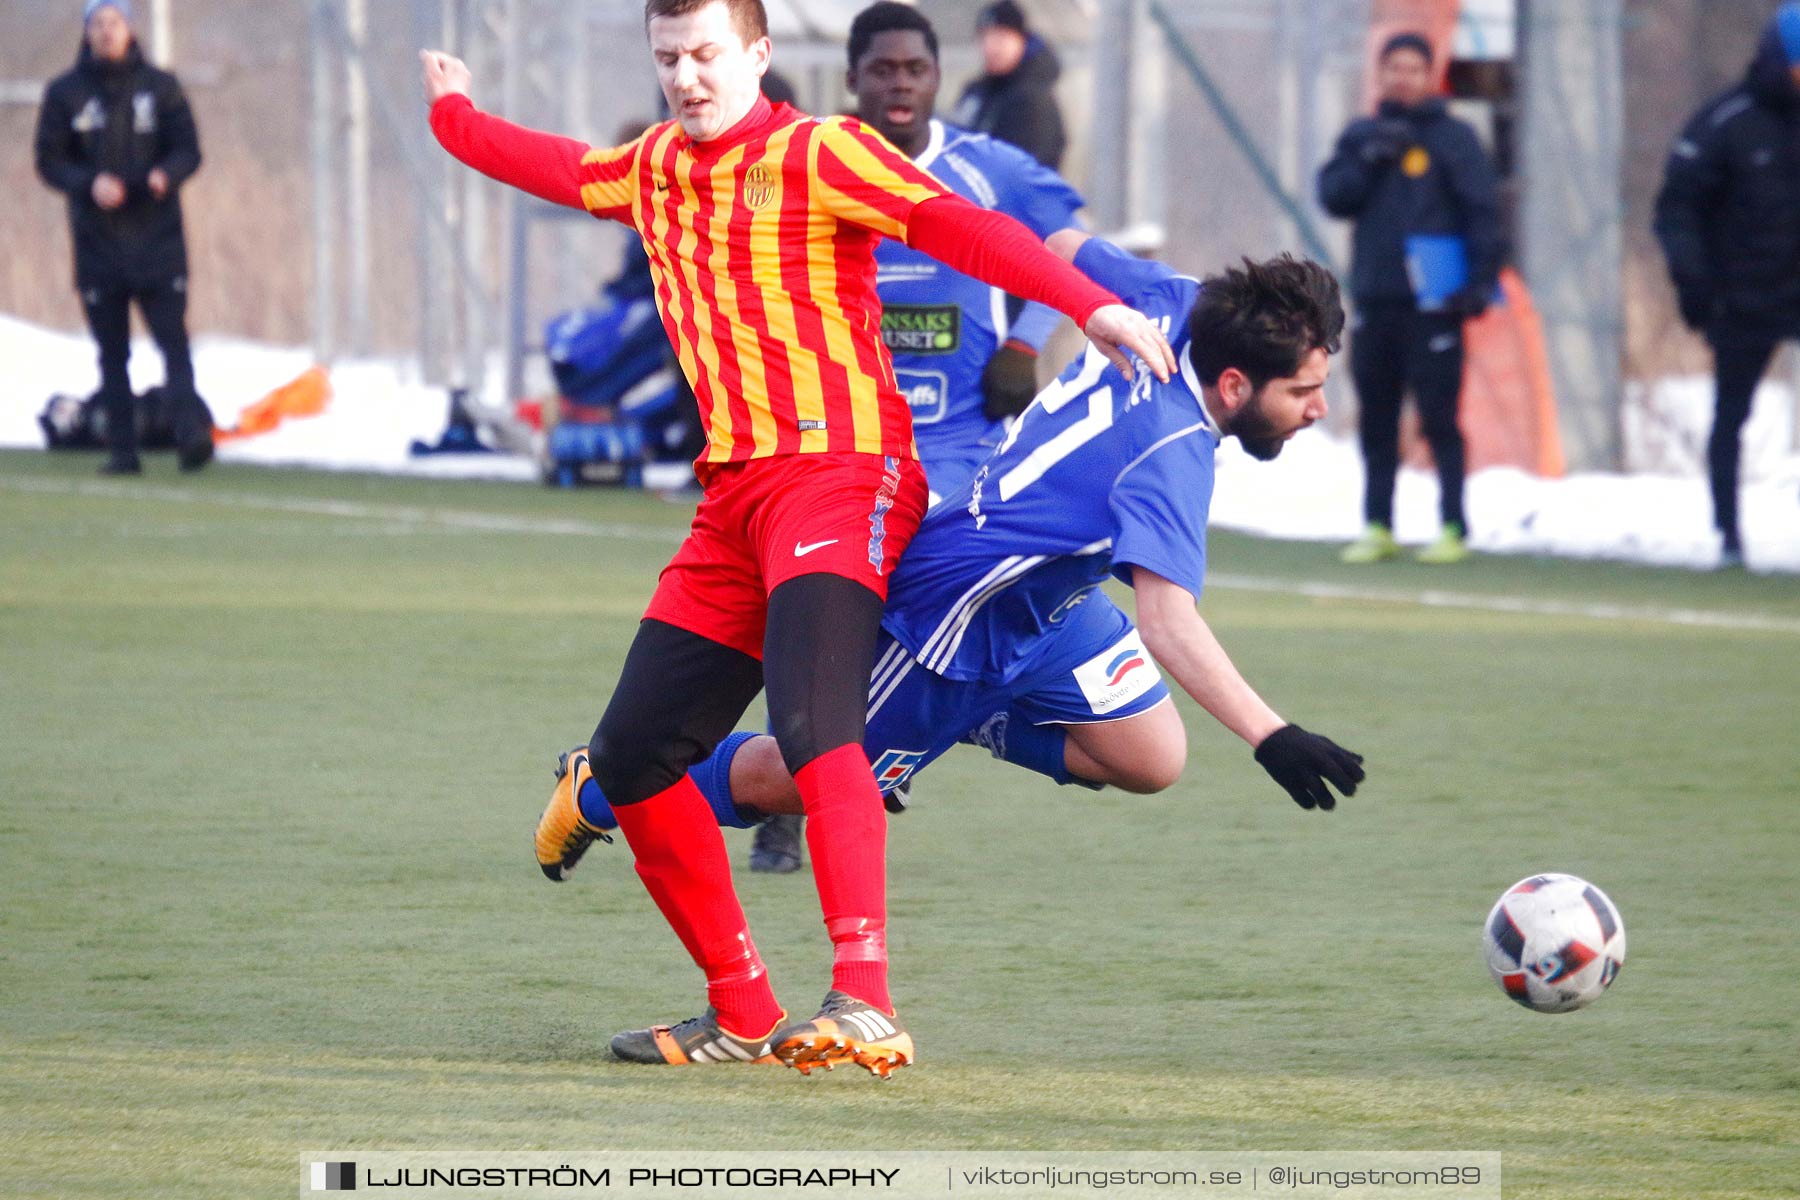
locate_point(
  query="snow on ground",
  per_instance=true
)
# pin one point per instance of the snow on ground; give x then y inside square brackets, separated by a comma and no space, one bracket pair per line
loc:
[1313,491]
[377,407]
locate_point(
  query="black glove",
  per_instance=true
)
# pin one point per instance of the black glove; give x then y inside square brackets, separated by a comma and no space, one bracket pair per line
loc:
[1696,303]
[1386,140]
[1469,302]
[1009,381]
[1304,762]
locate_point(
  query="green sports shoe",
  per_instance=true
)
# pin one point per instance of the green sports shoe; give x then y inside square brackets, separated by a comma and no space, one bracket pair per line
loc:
[1377,544]
[1449,548]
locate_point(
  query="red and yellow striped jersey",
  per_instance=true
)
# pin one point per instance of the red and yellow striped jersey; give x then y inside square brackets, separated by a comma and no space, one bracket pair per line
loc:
[762,244]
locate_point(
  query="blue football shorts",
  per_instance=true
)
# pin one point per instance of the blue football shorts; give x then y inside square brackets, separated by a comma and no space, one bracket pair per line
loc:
[1091,668]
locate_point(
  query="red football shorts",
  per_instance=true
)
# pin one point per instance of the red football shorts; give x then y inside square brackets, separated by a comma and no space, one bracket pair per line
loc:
[763,522]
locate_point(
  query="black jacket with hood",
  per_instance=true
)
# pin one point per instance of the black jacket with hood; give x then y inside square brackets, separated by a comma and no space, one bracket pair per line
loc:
[1020,107]
[1412,171]
[1728,215]
[125,118]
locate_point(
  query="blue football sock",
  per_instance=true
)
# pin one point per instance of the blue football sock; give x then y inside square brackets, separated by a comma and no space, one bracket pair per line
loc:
[1036,748]
[596,810]
[713,778]
[1011,738]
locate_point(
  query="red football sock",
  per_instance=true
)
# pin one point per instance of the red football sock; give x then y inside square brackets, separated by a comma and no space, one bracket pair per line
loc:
[681,859]
[846,831]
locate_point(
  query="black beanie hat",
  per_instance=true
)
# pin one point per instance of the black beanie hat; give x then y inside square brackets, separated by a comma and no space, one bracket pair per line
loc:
[1002,14]
[1407,41]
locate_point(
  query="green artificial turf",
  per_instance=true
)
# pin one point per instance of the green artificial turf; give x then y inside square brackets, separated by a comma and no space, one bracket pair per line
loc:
[272,745]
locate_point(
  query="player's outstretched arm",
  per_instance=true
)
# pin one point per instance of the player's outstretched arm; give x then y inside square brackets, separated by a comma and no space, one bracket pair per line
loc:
[1066,243]
[1119,332]
[445,75]
[542,164]
[1183,645]
[997,249]
[1116,326]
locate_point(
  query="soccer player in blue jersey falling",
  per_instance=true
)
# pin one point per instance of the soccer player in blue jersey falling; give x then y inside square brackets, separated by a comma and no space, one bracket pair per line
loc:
[965,353]
[995,631]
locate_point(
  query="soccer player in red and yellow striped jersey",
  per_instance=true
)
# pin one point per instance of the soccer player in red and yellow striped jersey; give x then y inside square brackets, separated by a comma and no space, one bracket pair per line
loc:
[761,224]
[774,339]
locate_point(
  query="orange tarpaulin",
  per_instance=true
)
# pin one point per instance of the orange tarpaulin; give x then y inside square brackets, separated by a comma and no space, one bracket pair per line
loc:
[1508,411]
[1508,408]
[1508,403]
[303,396]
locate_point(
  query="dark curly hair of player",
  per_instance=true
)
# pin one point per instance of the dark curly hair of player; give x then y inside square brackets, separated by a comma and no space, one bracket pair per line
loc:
[1263,318]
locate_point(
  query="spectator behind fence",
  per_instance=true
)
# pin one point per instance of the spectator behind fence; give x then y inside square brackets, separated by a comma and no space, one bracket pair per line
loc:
[1015,98]
[116,136]
[1426,257]
[1728,218]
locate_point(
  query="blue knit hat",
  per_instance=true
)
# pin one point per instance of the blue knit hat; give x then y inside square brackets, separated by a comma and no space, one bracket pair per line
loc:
[1787,28]
[93,6]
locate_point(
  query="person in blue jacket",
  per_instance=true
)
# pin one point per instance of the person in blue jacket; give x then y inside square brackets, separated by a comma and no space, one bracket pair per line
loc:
[965,353]
[1426,256]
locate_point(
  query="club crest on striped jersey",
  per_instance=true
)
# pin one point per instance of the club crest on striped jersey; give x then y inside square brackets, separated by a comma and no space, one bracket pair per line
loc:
[759,185]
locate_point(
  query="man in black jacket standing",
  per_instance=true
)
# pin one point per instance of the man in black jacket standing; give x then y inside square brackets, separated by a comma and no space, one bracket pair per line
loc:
[1728,218]
[1015,98]
[116,136]
[1427,251]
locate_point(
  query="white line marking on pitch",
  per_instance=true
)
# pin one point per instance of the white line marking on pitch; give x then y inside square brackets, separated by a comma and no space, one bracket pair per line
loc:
[1595,611]
[403,516]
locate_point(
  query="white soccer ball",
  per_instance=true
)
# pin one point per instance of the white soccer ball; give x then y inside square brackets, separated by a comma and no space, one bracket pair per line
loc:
[1554,943]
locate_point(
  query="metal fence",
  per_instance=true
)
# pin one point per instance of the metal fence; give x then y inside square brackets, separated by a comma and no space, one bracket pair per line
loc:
[326,214]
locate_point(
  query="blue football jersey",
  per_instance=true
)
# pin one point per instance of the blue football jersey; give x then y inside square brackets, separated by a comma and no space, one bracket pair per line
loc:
[941,326]
[1099,475]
